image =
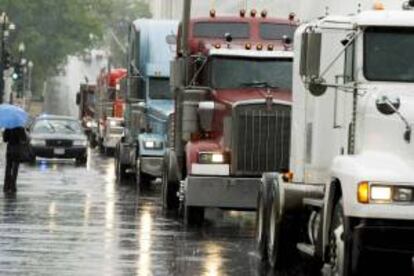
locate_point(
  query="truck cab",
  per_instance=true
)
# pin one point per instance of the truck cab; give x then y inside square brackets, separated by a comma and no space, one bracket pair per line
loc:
[149,99]
[351,183]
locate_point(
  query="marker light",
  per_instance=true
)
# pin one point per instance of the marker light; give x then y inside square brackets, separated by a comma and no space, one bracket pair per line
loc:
[253,13]
[248,46]
[217,45]
[379,6]
[363,192]
[270,47]
[381,193]
[212,13]
[264,13]
[259,47]
[242,13]
[292,16]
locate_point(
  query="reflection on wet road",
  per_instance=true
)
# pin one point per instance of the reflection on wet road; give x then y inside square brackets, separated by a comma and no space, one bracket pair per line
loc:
[68,220]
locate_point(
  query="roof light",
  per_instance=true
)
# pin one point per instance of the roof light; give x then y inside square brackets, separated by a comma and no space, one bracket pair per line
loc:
[264,13]
[212,13]
[259,47]
[270,47]
[292,16]
[248,46]
[379,6]
[242,13]
[217,45]
[253,13]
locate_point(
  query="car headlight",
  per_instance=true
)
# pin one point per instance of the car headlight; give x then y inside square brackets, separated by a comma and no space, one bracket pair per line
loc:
[38,142]
[212,158]
[80,143]
[153,144]
[89,124]
[382,193]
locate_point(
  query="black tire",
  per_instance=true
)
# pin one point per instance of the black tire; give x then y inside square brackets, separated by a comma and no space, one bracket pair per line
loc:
[143,180]
[170,186]
[340,259]
[81,160]
[283,235]
[262,215]
[120,171]
[194,216]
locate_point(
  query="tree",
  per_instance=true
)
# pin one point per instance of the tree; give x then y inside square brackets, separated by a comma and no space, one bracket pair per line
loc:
[52,30]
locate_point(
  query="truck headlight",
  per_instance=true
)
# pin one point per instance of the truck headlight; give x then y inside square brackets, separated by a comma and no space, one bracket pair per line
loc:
[153,144]
[80,143]
[38,142]
[382,193]
[211,158]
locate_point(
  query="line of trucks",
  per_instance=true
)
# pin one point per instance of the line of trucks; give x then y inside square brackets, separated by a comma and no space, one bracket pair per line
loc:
[309,124]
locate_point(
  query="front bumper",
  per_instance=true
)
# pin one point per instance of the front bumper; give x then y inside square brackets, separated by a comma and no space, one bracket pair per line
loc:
[151,165]
[69,153]
[222,192]
[384,235]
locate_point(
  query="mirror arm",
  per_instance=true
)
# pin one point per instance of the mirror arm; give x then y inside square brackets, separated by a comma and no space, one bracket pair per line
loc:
[408,128]
[332,63]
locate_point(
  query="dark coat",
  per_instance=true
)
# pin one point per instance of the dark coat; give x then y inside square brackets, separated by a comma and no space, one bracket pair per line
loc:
[14,137]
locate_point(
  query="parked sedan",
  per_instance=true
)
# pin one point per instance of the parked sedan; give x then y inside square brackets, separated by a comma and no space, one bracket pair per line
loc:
[59,137]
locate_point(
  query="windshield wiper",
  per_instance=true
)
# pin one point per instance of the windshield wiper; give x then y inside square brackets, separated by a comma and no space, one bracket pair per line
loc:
[260,84]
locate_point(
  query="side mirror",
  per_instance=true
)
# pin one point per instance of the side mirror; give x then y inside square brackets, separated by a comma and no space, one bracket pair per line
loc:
[387,106]
[310,59]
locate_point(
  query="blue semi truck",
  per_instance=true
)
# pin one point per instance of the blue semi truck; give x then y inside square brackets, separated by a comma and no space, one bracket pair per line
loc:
[149,100]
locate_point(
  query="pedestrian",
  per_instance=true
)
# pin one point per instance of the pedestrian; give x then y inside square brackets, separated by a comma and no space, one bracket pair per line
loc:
[14,138]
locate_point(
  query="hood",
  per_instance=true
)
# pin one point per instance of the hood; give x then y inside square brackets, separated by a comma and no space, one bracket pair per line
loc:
[58,136]
[232,96]
[164,107]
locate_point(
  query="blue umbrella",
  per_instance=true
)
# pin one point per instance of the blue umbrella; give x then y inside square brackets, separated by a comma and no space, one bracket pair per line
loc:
[12,116]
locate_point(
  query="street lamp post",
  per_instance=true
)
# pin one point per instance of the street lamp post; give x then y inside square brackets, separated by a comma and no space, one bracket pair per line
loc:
[6,27]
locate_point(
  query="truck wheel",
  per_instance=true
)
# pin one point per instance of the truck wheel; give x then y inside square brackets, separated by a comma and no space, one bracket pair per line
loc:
[143,180]
[82,160]
[339,257]
[120,171]
[170,184]
[193,215]
[282,235]
[263,214]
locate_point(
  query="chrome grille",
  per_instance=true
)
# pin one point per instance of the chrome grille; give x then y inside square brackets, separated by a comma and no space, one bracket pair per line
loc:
[261,139]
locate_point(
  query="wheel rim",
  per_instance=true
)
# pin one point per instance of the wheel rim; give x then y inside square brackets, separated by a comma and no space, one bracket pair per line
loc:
[337,250]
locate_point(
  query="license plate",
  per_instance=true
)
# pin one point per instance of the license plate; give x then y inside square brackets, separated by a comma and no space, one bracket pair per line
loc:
[59,151]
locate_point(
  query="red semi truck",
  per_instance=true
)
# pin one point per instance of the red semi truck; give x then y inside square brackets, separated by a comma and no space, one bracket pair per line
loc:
[232,85]
[109,109]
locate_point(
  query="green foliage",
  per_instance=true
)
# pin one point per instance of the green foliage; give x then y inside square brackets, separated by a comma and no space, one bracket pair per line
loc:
[54,29]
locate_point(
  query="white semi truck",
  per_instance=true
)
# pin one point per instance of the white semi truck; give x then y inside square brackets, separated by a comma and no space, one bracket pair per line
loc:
[350,190]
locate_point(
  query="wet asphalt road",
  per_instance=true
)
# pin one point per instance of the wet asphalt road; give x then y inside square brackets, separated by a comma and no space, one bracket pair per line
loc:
[68,220]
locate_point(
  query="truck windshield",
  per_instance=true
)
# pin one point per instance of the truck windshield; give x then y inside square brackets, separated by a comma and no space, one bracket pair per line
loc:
[389,54]
[219,29]
[159,89]
[272,31]
[230,73]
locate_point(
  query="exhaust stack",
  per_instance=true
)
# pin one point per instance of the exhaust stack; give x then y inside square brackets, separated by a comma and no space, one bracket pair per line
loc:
[185,28]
